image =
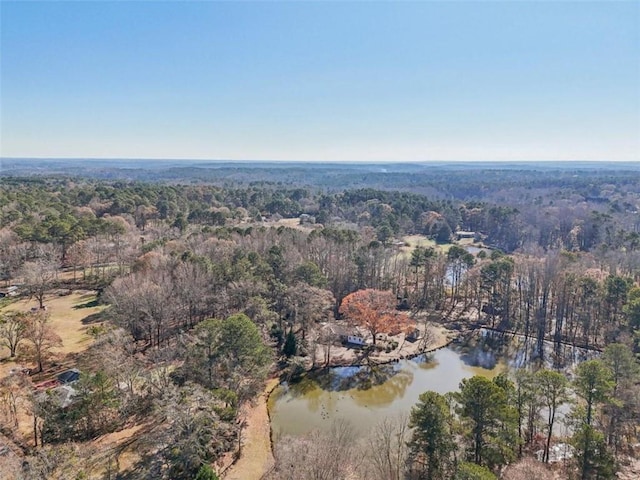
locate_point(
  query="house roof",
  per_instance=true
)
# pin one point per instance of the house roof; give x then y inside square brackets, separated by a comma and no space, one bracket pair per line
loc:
[337,329]
[63,395]
[69,376]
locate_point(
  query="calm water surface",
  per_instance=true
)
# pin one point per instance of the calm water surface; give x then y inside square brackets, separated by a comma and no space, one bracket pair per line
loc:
[364,396]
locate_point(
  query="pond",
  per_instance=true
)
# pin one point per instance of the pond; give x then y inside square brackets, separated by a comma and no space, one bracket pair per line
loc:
[364,395]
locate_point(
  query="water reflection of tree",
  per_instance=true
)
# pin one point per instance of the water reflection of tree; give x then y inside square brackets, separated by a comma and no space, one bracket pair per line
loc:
[358,378]
[306,389]
[426,361]
[323,402]
[520,351]
[385,393]
[484,349]
[301,388]
[367,386]
[487,348]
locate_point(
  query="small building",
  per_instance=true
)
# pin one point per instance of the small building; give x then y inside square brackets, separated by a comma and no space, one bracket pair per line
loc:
[11,291]
[307,219]
[558,453]
[413,335]
[346,334]
[355,340]
[63,395]
[70,376]
[465,234]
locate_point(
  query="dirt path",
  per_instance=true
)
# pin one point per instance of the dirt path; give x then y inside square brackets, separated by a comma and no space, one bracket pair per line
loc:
[256,458]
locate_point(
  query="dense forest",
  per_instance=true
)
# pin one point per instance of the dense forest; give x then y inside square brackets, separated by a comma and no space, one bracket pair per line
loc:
[206,281]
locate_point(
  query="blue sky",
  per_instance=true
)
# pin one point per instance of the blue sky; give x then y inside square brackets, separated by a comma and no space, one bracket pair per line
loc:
[358,81]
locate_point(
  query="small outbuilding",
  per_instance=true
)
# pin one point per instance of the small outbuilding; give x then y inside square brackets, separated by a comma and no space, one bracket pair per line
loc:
[11,291]
[355,340]
[70,376]
[413,335]
[346,334]
[305,218]
[465,234]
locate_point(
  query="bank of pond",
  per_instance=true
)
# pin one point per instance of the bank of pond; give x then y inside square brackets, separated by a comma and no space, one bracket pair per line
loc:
[363,395]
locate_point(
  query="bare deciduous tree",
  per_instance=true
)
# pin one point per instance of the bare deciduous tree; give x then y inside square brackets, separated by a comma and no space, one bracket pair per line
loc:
[12,253]
[140,304]
[306,305]
[387,449]
[41,336]
[327,455]
[14,389]
[39,276]
[13,328]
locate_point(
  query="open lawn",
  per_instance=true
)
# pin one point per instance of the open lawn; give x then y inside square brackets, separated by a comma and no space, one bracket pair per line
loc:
[290,223]
[71,315]
[413,241]
[68,275]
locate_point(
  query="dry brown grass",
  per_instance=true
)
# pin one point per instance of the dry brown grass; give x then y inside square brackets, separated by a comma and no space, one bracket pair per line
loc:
[414,241]
[290,223]
[66,319]
[69,275]
[115,446]
[67,322]
[630,470]
[67,314]
[527,469]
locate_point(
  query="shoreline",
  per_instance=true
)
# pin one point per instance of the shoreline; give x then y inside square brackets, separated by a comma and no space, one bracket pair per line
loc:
[254,461]
[351,356]
[258,417]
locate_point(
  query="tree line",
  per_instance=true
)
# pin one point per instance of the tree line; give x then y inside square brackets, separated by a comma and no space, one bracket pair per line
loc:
[204,295]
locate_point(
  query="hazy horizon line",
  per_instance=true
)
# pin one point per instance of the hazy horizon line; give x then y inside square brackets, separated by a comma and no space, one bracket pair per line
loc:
[306,160]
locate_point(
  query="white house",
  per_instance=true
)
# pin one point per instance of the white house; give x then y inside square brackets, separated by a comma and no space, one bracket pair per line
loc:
[11,291]
[464,234]
[355,340]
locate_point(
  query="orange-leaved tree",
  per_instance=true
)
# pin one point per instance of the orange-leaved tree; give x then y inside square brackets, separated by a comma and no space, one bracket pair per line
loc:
[375,310]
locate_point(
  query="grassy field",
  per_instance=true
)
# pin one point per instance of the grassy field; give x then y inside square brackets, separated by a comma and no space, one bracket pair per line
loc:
[70,315]
[290,223]
[413,241]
